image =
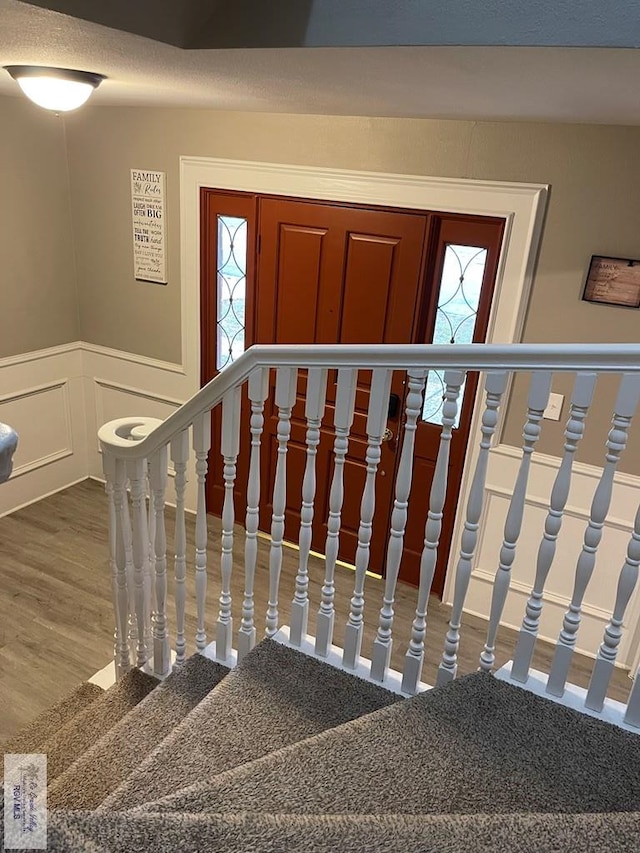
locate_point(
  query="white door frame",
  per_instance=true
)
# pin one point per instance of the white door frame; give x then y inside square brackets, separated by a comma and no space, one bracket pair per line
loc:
[521,205]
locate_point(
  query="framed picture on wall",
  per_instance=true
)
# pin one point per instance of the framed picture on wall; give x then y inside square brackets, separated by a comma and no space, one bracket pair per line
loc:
[613,281]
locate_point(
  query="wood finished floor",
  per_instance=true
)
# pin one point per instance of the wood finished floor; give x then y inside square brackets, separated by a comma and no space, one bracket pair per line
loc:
[56,621]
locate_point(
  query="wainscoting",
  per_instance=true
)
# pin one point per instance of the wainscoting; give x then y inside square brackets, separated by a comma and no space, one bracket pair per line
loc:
[56,399]
[599,600]
[43,399]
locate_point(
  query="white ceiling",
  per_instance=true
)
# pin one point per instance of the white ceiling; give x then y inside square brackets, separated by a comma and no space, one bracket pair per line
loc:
[541,84]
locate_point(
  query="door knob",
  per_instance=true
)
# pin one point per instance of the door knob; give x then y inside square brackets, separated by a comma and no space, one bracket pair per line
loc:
[387,435]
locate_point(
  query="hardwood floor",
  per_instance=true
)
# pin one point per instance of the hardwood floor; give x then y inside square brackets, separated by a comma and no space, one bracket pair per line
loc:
[56,621]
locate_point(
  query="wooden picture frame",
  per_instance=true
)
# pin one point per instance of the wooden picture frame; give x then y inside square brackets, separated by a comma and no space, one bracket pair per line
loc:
[613,281]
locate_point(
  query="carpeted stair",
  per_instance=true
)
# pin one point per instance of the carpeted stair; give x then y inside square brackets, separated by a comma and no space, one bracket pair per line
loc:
[99,770]
[285,753]
[35,734]
[80,733]
[477,745]
[283,833]
[275,697]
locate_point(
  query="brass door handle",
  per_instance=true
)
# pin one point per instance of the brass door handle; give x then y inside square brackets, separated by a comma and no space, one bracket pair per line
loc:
[387,435]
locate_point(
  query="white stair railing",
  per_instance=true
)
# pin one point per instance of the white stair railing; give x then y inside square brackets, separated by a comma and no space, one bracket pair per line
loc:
[625,407]
[230,447]
[343,419]
[580,401]
[414,657]
[383,643]
[137,448]
[608,651]
[314,410]
[258,387]
[115,476]
[495,385]
[158,478]
[376,424]
[285,397]
[180,459]
[538,399]
[201,445]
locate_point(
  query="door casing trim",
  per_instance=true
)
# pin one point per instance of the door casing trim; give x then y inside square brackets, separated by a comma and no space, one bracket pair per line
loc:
[522,206]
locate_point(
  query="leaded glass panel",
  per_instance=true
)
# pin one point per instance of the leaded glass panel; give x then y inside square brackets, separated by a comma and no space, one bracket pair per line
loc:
[456,315]
[231,289]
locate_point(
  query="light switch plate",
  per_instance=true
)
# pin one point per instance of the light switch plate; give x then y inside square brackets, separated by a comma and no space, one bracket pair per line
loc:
[554,407]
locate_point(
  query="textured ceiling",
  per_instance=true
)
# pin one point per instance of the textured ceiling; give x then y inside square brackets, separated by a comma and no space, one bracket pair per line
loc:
[545,84]
[197,24]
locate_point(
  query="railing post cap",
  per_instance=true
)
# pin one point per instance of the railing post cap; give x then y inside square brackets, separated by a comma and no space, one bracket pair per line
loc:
[122,432]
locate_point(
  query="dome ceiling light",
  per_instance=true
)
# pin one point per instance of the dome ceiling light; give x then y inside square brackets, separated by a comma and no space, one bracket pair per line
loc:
[56,89]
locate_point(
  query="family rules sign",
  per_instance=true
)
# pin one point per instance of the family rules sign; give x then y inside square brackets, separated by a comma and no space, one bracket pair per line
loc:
[148,214]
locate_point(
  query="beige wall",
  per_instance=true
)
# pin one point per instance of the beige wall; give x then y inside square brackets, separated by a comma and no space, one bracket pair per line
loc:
[594,172]
[38,306]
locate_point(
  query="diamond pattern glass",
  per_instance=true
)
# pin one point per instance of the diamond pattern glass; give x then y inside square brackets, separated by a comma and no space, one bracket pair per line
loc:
[456,315]
[231,289]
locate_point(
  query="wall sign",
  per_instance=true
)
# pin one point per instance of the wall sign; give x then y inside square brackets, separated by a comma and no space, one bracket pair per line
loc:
[147,203]
[613,281]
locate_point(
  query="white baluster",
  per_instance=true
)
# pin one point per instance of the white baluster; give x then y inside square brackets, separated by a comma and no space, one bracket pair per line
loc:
[285,397]
[150,568]
[383,643]
[495,384]
[616,442]
[115,476]
[314,410]
[180,458]
[343,419]
[414,657]
[603,668]
[538,398]
[201,445]
[158,479]
[138,478]
[127,545]
[580,402]
[229,447]
[258,393]
[376,422]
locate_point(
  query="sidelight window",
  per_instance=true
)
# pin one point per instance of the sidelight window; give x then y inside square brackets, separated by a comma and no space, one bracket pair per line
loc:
[456,315]
[231,268]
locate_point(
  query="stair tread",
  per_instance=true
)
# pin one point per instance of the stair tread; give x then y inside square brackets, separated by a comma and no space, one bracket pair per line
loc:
[81,732]
[123,832]
[275,697]
[475,745]
[33,735]
[99,770]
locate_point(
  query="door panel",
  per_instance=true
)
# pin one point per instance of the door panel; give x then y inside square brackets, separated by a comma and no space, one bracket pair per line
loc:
[353,276]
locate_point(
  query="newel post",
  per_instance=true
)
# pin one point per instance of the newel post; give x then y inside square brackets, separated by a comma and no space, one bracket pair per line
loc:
[128,533]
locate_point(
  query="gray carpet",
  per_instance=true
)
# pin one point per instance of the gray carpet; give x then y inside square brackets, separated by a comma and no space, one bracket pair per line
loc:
[100,770]
[477,745]
[257,833]
[35,733]
[286,754]
[85,728]
[275,697]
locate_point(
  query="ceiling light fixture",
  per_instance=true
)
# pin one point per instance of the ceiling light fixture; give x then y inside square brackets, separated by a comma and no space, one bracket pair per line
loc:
[57,89]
